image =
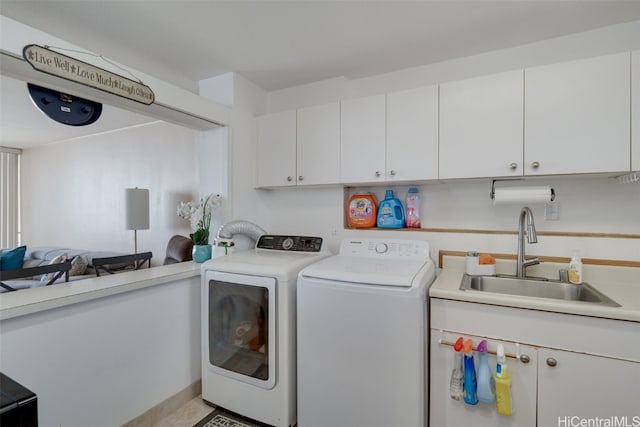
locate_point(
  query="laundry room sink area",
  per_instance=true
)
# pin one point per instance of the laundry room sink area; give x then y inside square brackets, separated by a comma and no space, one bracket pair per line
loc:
[536,287]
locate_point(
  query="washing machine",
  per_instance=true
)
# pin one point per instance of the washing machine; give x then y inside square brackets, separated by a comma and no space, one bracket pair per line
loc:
[248,327]
[362,326]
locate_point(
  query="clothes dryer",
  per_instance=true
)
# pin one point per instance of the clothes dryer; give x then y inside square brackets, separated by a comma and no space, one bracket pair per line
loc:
[248,328]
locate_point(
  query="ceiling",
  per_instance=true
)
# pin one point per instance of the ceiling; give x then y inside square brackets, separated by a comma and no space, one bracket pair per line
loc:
[279,44]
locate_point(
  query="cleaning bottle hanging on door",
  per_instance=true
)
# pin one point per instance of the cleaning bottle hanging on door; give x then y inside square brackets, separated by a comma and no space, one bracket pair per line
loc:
[486,386]
[457,376]
[470,382]
[504,404]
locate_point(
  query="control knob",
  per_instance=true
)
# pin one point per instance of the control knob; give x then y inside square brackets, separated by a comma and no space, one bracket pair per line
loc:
[287,243]
[381,248]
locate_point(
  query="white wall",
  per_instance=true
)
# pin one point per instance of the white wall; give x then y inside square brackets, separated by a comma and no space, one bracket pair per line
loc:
[104,362]
[248,101]
[587,204]
[73,192]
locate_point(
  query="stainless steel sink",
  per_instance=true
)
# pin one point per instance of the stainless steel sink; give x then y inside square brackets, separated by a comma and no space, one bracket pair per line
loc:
[538,288]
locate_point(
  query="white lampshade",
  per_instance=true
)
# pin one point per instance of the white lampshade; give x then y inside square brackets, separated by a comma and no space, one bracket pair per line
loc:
[137,208]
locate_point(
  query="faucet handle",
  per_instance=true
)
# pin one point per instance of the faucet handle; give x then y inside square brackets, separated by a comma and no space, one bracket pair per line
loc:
[564,275]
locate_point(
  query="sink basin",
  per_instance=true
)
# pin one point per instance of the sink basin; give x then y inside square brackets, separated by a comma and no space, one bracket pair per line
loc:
[539,288]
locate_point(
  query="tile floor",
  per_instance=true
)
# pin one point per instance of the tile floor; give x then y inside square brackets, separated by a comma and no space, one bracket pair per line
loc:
[187,415]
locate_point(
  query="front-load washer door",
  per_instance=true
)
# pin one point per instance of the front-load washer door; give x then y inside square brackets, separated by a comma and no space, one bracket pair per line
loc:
[241,327]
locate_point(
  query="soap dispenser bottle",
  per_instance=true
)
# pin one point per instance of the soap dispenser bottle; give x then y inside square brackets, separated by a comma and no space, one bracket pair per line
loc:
[575,269]
[486,386]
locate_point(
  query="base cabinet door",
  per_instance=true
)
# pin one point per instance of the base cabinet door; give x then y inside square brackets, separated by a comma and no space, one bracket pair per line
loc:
[573,387]
[445,411]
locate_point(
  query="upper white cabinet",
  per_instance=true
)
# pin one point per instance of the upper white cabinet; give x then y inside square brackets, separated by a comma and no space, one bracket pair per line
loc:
[577,116]
[635,110]
[412,135]
[481,126]
[362,133]
[276,153]
[299,147]
[318,147]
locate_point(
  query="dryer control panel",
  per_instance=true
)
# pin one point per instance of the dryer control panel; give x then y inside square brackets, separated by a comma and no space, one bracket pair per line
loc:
[290,243]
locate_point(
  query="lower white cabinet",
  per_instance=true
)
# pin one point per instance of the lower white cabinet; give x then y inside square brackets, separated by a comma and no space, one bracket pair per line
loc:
[572,368]
[586,386]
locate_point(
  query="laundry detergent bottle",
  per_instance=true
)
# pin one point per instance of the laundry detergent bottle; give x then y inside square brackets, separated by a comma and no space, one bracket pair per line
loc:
[390,212]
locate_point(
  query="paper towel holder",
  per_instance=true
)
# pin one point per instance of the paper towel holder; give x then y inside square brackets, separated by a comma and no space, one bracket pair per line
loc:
[493,188]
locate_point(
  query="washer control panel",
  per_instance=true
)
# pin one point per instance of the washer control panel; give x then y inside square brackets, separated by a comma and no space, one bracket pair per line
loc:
[290,243]
[387,248]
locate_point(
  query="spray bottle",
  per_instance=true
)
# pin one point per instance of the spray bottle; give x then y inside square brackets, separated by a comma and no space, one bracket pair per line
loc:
[470,383]
[457,377]
[486,392]
[503,384]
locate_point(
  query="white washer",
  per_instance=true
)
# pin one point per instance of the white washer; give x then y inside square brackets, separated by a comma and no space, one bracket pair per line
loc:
[248,328]
[362,325]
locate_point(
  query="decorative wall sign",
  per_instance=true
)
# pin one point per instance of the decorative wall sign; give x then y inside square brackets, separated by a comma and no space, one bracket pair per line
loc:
[57,64]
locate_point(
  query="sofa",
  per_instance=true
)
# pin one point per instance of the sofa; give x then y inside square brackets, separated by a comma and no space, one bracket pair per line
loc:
[53,264]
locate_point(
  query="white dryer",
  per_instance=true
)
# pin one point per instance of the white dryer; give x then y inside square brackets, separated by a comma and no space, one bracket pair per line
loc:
[362,325]
[248,327]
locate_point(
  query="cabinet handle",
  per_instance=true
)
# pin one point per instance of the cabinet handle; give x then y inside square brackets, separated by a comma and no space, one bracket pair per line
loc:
[524,358]
[392,172]
[513,166]
[289,178]
[301,178]
[552,362]
[535,165]
[378,174]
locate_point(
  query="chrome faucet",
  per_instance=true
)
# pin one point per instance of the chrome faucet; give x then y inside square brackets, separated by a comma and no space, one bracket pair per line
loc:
[532,237]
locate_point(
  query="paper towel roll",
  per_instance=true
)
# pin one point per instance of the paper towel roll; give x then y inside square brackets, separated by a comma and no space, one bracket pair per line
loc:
[511,195]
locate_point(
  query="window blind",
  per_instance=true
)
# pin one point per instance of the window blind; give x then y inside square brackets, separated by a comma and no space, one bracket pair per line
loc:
[9,197]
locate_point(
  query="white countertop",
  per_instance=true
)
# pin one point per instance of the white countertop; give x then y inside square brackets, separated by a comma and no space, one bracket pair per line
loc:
[622,284]
[27,301]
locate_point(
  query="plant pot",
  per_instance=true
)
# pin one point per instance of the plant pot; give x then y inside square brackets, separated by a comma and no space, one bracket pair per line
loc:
[201,253]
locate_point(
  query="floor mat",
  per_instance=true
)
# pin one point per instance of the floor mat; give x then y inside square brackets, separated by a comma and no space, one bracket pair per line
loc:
[221,418]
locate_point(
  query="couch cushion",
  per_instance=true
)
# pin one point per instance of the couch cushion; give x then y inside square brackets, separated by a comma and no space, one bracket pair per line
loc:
[12,259]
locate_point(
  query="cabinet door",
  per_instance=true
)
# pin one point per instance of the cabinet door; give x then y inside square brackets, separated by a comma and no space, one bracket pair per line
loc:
[444,411]
[362,139]
[481,126]
[577,116]
[318,147]
[635,110]
[585,386]
[276,151]
[412,135]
